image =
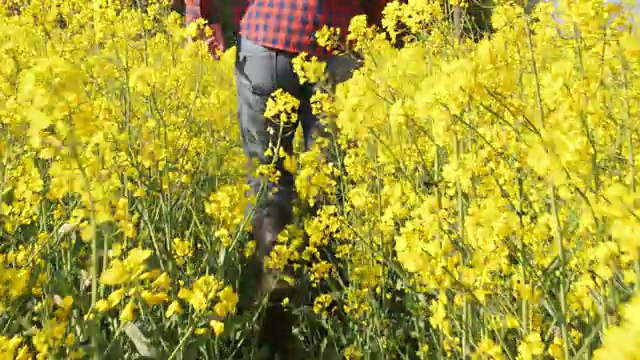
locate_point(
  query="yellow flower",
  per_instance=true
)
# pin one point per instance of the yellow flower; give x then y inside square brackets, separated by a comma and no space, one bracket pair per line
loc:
[499,173]
[23,353]
[121,272]
[613,8]
[217,327]
[196,298]
[163,282]
[512,322]
[531,346]
[13,343]
[154,298]
[228,297]
[185,294]
[102,305]
[137,257]
[70,340]
[63,305]
[151,275]
[488,349]
[77,354]
[128,313]
[181,248]
[115,297]
[116,274]
[200,331]
[556,349]
[88,232]
[321,302]
[174,308]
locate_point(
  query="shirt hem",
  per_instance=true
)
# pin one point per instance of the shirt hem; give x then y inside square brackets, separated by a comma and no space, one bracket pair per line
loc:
[319,52]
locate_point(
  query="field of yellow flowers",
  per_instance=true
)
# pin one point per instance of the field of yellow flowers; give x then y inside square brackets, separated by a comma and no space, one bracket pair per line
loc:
[485,204]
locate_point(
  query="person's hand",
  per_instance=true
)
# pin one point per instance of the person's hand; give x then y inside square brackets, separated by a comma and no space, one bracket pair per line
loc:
[215,41]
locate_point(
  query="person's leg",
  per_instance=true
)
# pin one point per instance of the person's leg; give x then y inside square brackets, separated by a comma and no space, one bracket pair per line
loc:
[256,80]
[322,126]
[259,72]
[320,129]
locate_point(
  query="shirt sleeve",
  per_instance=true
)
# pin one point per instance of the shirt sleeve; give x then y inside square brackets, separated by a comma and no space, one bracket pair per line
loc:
[206,9]
[373,10]
[178,6]
[210,11]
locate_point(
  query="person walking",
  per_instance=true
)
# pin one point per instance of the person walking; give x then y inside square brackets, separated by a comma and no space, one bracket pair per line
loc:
[270,34]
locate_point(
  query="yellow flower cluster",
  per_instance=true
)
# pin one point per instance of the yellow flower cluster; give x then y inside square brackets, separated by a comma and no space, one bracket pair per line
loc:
[483,202]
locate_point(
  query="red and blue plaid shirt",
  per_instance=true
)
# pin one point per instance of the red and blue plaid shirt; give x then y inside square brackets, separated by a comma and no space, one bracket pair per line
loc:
[288,25]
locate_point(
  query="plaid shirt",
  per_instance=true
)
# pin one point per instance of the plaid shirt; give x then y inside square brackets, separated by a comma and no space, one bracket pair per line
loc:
[288,25]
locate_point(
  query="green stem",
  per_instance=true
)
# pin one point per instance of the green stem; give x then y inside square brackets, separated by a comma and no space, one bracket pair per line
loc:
[524,316]
[460,202]
[94,240]
[536,75]
[563,275]
[183,340]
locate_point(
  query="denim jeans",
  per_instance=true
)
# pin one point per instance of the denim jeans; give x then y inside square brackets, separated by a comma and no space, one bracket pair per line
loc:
[259,72]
